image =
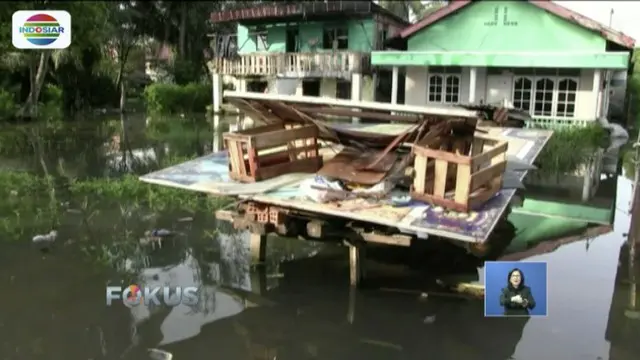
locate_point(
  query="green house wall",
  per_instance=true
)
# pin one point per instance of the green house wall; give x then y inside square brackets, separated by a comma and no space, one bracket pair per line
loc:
[361,34]
[514,26]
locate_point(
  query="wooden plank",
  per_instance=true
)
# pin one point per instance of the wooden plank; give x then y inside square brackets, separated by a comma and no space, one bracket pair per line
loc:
[282,137]
[427,110]
[282,156]
[255,130]
[361,114]
[463,179]
[439,154]
[234,157]
[309,165]
[490,154]
[420,176]
[242,168]
[483,176]
[396,239]
[440,184]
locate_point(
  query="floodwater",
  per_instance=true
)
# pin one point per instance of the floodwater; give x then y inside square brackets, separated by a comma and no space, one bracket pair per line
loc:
[298,307]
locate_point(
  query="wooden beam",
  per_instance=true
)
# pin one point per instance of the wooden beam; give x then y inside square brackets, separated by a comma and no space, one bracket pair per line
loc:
[368,105]
[352,113]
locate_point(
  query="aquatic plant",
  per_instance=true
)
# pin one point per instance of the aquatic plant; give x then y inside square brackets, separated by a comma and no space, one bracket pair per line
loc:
[112,191]
[569,148]
[36,204]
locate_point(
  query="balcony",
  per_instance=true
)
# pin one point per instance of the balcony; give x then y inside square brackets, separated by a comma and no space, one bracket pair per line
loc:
[316,64]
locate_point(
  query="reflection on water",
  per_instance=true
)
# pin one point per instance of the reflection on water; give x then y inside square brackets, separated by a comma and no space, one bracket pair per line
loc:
[299,306]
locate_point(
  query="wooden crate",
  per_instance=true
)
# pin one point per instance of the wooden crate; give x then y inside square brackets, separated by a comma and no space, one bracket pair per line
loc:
[265,152]
[461,174]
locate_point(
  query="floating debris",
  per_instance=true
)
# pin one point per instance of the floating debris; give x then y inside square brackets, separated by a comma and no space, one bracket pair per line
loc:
[149,217]
[45,241]
[157,354]
[383,344]
[186,219]
[430,319]
[159,232]
[155,237]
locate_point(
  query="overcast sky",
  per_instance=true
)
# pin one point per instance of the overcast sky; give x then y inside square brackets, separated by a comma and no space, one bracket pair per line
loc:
[626,14]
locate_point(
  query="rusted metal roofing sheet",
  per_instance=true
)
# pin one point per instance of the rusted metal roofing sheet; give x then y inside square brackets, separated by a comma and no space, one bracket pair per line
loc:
[547,5]
[282,10]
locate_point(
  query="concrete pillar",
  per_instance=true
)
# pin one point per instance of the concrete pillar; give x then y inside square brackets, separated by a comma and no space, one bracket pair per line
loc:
[586,182]
[374,88]
[217,134]
[356,91]
[606,94]
[473,73]
[242,85]
[217,93]
[394,85]
[597,92]
[299,90]
[258,248]
[217,99]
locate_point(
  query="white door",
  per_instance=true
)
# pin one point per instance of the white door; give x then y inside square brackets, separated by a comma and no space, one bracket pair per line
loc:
[499,89]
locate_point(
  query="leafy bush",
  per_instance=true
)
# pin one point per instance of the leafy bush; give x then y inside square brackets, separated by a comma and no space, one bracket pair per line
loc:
[7,105]
[177,99]
[51,94]
[185,72]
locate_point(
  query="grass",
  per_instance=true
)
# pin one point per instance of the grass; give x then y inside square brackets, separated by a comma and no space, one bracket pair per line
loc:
[569,148]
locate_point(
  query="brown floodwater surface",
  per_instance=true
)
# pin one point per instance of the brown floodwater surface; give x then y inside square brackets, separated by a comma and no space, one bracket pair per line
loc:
[300,307]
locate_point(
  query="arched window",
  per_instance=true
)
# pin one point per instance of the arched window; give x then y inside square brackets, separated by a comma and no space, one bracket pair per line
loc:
[566,104]
[551,96]
[444,88]
[543,99]
[452,89]
[435,88]
[522,89]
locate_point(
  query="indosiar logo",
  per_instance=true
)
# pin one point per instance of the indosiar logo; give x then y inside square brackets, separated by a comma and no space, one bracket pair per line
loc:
[41,29]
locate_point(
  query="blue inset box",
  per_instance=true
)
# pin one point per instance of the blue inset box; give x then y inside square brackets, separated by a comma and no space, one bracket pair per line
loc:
[515,288]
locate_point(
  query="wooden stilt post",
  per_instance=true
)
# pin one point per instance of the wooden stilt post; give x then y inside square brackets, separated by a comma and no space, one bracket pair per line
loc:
[351,311]
[258,248]
[259,281]
[356,263]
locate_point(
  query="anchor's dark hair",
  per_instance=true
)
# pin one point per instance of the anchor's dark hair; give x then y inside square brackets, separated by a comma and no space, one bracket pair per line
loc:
[521,278]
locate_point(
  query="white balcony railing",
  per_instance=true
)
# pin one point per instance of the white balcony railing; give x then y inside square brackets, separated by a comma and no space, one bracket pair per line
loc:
[324,64]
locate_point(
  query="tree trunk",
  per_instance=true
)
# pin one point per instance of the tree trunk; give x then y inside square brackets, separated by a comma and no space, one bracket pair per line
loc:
[37,82]
[123,95]
[183,30]
[123,58]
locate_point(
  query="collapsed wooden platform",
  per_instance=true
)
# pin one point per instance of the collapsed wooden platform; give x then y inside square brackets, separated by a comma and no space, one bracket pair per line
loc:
[210,174]
[271,201]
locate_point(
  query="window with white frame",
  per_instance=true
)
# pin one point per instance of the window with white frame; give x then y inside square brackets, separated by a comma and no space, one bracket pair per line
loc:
[522,89]
[543,98]
[549,96]
[443,85]
[566,102]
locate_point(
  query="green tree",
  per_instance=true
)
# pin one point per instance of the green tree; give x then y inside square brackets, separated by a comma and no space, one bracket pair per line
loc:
[419,9]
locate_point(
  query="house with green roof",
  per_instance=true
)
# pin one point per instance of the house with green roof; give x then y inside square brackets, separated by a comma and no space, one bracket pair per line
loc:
[532,55]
